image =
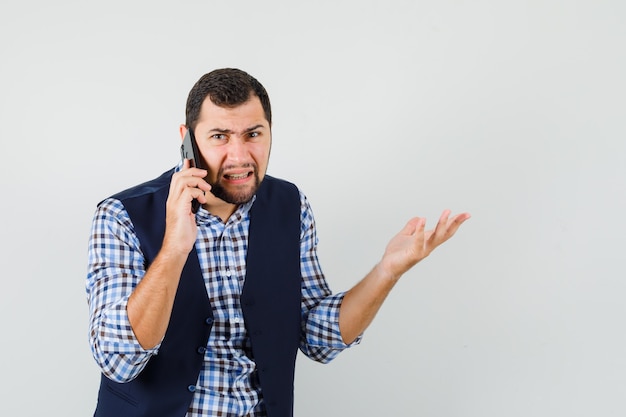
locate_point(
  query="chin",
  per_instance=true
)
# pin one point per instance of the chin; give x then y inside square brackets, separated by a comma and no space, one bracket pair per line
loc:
[240,196]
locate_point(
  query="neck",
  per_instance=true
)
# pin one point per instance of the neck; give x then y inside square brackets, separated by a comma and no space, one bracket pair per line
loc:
[221,209]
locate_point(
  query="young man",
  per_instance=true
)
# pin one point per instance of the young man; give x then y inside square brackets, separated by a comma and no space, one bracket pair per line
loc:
[202,314]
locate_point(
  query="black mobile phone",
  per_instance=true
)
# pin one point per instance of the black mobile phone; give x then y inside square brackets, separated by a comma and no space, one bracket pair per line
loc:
[189,150]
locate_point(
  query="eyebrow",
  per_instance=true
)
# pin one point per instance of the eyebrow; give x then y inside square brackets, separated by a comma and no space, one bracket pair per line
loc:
[250,129]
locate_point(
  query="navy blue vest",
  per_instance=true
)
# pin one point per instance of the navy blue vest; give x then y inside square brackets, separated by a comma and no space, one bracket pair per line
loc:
[270,302]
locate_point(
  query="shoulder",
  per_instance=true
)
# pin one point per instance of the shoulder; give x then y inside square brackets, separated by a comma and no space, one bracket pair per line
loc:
[155,185]
[277,188]
[287,186]
[272,187]
[275,182]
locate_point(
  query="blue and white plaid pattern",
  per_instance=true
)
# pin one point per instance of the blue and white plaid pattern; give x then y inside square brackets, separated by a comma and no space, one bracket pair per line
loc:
[228,383]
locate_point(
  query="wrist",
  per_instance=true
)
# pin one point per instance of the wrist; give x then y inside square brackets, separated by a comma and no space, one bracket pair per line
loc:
[386,273]
[173,253]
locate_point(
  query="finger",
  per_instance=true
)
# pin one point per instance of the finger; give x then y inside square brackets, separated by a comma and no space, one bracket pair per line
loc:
[193,172]
[456,222]
[411,226]
[187,169]
[181,183]
[198,188]
[451,227]
[441,227]
[420,237]
[197,194]
[202,184]
[192,177]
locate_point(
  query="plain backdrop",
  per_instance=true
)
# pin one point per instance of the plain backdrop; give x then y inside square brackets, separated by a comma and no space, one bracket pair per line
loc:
[514,111]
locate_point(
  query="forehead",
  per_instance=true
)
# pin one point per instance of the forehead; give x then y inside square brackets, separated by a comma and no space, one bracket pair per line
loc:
[237,117]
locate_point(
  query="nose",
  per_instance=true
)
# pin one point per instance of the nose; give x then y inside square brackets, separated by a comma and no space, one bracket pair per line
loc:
[237,151]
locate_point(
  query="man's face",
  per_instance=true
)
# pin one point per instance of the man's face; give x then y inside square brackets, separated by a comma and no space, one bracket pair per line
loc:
[235,145]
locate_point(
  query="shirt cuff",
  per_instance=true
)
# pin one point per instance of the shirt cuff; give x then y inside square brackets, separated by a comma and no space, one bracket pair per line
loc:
[119,337]
[322,327]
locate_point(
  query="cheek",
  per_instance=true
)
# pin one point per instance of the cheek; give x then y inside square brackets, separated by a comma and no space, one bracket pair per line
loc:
[261,161]
[212,162]
[261,155]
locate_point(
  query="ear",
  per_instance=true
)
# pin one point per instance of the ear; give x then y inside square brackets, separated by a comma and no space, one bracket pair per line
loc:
[182,130]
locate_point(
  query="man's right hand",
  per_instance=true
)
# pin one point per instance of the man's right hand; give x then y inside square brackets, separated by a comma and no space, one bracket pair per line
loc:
[180,224]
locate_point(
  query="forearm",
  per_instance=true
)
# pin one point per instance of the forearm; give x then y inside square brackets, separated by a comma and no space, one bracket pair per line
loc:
[150,305]
[361,303]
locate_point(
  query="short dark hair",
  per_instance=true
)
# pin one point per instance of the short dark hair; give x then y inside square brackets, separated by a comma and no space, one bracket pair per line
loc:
[226,87]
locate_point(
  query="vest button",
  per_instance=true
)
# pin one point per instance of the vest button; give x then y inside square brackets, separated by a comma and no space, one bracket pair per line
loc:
[191,388]
[201,349]
[208,321]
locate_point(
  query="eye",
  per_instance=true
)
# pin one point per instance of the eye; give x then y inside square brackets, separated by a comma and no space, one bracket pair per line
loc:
[254,134]
[218,136]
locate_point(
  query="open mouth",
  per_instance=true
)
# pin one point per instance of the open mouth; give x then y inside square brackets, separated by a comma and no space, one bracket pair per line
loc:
[235,177]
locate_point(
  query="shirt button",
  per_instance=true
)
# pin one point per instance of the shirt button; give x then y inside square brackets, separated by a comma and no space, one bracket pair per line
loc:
[191,388]
[208,320]
[237,319]
[201,349]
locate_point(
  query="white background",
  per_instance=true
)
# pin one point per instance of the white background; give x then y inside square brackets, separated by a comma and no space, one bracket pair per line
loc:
[512,111]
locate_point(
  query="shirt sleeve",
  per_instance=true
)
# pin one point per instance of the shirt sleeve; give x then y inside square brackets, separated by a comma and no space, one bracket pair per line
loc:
[321,339]
[115,267]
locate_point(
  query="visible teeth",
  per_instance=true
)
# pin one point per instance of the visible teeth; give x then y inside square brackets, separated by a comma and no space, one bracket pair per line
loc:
[238,177]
